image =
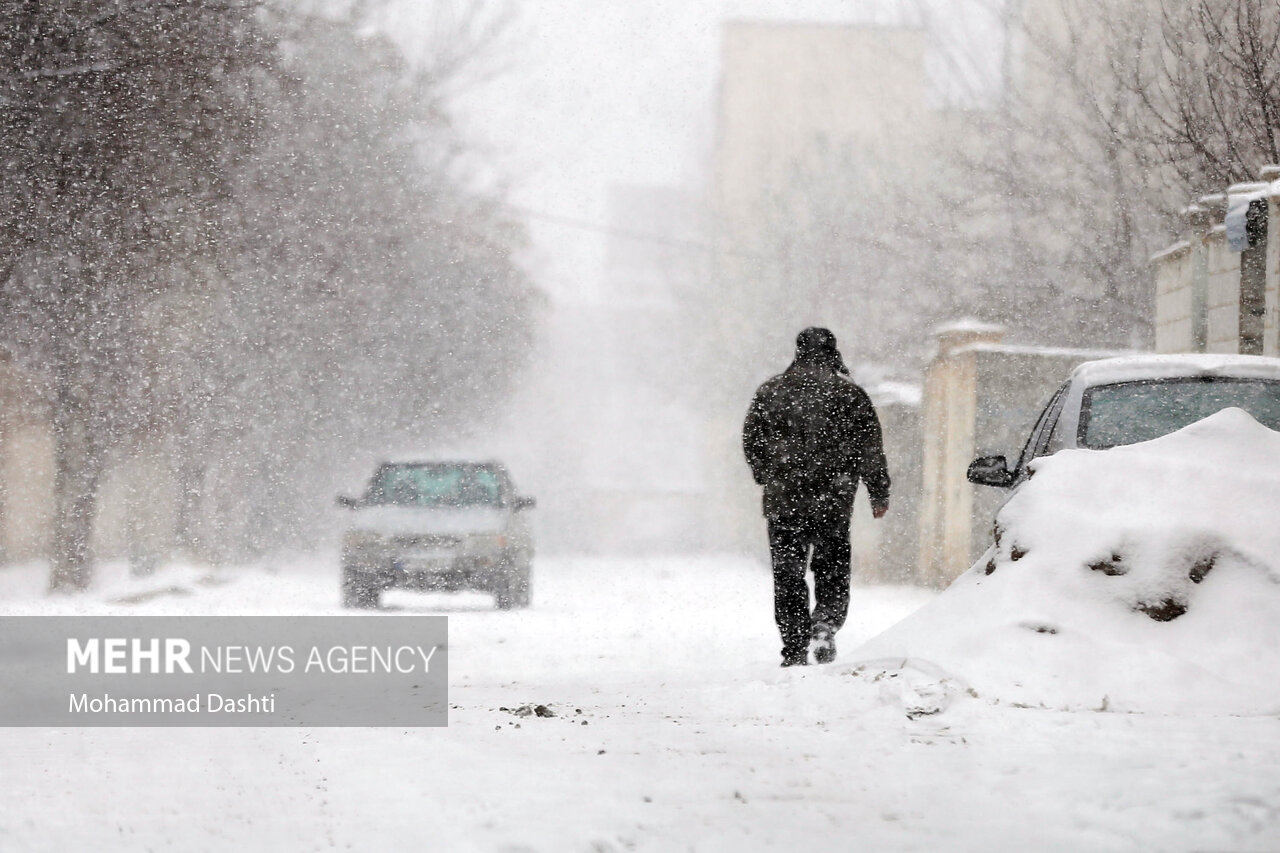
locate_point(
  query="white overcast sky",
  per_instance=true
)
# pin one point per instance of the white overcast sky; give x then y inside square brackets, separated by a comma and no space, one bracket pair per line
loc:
[600,92]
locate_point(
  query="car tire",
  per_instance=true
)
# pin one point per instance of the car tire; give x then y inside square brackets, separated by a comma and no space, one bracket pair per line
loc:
[515,586]
[359,590]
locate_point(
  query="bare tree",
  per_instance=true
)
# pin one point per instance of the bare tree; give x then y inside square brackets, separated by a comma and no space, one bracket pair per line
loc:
[1200,84]
[852,238]
[1113,115]
[242,232]
[370,300]
[120,122]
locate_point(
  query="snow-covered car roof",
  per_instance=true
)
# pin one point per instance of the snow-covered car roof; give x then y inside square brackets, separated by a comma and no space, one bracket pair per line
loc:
[421,459]
[1136,367]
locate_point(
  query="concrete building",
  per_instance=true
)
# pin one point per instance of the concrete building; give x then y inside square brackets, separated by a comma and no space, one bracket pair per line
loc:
[814,122]
[792,94]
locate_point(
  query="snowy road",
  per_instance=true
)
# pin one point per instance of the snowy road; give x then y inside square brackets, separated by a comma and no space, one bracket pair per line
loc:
[673,730]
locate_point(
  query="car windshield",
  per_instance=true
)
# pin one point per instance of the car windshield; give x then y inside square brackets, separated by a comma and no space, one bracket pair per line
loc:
[1130,412]
[435,485]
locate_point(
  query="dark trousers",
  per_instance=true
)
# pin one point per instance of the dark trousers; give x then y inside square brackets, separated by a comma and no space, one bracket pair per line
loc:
[789,541]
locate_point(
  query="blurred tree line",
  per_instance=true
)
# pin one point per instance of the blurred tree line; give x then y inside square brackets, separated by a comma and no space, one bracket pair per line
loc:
[1112,117]
[241,230]
[1062,152]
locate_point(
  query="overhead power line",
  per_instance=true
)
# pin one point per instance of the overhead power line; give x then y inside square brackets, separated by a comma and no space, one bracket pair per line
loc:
[614,231]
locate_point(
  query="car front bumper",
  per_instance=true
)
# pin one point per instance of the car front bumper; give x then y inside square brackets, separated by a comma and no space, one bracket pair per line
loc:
[442,570]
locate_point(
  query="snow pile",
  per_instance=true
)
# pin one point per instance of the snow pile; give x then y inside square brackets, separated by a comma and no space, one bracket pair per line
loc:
[1140,578]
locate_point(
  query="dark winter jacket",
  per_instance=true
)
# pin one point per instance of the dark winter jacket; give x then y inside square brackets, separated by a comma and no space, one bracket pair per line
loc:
[810,436]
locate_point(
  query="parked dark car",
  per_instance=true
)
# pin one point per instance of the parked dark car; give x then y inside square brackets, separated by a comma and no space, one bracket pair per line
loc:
[438,525]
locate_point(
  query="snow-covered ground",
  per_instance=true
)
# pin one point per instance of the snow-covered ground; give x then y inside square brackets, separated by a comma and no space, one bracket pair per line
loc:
[673,730]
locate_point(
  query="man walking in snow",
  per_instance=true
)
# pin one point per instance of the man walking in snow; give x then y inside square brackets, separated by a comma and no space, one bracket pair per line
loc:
[810,436]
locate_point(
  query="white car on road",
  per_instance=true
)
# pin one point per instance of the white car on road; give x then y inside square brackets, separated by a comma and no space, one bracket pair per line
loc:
[438,525]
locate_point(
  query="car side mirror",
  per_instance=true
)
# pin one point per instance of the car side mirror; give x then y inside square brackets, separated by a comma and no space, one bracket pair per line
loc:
[524,502]
[990,471]
[348,502]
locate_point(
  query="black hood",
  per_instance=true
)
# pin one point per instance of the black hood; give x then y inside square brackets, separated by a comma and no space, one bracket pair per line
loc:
[817,346]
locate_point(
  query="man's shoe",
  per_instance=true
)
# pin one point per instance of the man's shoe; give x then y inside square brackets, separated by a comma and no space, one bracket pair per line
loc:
[824,643]
[801,659]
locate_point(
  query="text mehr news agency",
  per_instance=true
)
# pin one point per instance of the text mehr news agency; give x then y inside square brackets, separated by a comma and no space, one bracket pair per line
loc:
[175,656]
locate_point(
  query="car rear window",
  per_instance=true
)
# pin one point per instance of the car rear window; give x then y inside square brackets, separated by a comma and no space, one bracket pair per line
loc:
[435,485]
[1129,412]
